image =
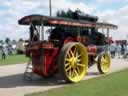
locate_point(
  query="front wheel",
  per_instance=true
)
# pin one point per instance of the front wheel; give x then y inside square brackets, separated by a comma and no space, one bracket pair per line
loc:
[104,62]
[73,62]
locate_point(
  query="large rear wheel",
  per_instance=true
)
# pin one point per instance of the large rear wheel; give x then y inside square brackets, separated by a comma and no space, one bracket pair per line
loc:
[104,62]
[73,62]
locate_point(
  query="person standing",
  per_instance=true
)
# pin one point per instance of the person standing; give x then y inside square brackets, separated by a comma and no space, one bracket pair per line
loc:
[122,49]
[118,50]
[3,53]
[112,50]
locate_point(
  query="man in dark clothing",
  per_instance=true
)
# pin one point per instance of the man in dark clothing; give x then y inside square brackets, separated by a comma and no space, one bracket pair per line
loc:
[34,35]
[3,53]
[122,49]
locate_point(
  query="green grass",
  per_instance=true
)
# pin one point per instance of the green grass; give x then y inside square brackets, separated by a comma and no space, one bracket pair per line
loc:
[14,59]
[115,84]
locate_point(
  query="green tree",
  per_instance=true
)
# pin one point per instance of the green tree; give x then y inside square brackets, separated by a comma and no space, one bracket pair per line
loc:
[7,40]
[13,41]
[69,13]
[1,41]
[65,14]
[21,40]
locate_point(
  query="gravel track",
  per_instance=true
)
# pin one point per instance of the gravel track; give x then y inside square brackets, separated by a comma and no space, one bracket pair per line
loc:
[12,83]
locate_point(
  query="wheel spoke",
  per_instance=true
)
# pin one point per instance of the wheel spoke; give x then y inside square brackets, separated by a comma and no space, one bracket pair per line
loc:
[67,64]
[71,53]
[70,73]
[81,65]
[102,60]
[75,72]
[78,60]
[77,68]
[105,62]
[68,54]
[69,60]
[75,50]
[67,69]
[78,56]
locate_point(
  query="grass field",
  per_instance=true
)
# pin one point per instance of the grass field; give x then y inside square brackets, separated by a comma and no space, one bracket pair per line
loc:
[14,59]
[115,84]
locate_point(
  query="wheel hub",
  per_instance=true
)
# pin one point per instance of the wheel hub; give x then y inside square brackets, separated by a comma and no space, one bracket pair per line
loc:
[74,62]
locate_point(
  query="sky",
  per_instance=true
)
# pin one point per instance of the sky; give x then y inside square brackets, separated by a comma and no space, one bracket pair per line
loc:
[111,11]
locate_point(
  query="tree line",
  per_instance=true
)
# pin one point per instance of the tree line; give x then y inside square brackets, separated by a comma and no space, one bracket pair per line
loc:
[8,40]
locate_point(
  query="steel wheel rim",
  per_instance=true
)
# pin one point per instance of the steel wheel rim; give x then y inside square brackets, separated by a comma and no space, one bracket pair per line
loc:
[76,62]
[105,63]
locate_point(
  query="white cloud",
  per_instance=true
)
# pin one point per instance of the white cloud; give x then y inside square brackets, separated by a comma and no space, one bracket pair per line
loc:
[111,1]
[63,4]
[119,17]
[15,9]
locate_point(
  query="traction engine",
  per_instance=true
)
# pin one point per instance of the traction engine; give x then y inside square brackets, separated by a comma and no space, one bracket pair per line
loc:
[72,47]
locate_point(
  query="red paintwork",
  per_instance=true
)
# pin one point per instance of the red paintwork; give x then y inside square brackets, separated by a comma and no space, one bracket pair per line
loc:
[70,23]
[69,39]
[44,56]
[50,60]
[92,50]
[78,38]
[45,63]
[121,42]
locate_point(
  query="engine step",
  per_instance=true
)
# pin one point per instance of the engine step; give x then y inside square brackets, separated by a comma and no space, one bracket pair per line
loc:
[28,74]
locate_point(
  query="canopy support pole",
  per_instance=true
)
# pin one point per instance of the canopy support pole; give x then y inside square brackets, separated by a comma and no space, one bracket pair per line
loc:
[108,45]
[42,31]
[107,32]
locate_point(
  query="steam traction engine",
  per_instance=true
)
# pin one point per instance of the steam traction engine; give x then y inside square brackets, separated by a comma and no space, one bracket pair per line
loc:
[73,46]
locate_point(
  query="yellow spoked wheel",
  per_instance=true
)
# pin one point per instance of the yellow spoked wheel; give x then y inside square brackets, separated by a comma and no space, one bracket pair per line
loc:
[73,62]
[104,62]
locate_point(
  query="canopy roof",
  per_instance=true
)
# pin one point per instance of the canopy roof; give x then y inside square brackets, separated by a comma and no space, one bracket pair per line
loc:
[56,21]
